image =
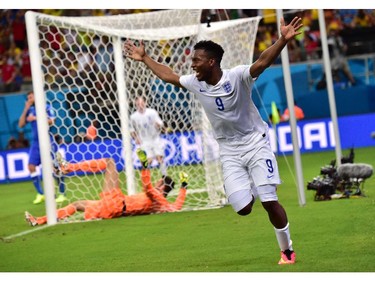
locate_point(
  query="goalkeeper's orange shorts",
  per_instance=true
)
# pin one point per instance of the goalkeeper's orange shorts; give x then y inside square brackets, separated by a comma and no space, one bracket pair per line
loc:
[111,205]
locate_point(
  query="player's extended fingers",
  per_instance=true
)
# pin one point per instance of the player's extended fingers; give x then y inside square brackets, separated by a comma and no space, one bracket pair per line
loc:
[282,21]
[129,42]
[129,45]
[296,22]
[129,48]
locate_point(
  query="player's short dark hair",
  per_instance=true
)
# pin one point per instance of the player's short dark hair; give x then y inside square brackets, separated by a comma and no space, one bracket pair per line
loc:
[213,49]
[168,184]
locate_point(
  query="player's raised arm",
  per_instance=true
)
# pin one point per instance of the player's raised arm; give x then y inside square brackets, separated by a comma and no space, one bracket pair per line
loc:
[269,55]
[22,119]
[162,71]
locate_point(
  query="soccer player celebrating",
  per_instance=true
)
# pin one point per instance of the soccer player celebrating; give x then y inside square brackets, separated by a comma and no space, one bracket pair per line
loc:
[146,126]
[249,165]
[113,203]
[29,116]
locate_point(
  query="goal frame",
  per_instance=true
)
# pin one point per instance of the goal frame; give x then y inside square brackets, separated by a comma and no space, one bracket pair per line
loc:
[122,91]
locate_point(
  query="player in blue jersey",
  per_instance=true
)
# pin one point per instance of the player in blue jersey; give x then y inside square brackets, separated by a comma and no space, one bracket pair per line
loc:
[249,164]
[29,116]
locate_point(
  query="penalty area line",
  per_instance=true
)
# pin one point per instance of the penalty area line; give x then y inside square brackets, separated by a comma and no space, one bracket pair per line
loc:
[37,228]
[8,238]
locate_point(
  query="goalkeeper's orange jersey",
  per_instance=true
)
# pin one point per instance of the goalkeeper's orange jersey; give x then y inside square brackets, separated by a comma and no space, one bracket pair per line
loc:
[111,203]
[151,200]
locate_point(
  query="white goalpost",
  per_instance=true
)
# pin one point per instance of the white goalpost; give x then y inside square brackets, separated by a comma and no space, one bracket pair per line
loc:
[78,66]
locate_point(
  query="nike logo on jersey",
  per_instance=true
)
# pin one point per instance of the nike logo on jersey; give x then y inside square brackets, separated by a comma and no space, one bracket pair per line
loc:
[202,91]
[270,176]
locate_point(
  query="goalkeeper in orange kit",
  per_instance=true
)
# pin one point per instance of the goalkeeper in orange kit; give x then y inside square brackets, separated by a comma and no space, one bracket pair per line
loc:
[113,203]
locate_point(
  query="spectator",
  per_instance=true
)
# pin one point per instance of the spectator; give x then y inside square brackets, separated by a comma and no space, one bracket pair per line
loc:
[8,71]
[3,47]
[310,18]
[18,79]
[294,50]
[297,111]
[85,60]
[269,16]
[332,18]
[265,39]
[312,46]
[53,12]
[347,16]
[53,37]
[15,53]
[25,63]
[92,131]
[361,19]
[12,143]
[103,55]
[21,142]
[371,14]
[19,29]
[337,50]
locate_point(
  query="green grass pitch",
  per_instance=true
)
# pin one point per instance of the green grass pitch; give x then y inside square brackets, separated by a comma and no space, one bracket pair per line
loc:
[328,236]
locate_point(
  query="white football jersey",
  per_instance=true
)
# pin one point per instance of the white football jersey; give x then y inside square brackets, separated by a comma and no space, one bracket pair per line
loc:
[145,124]
[228,104]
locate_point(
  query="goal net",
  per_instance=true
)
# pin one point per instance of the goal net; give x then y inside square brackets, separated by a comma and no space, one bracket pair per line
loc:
[80,69]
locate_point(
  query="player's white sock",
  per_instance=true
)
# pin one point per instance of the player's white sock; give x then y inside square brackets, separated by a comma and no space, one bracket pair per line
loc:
[283,238]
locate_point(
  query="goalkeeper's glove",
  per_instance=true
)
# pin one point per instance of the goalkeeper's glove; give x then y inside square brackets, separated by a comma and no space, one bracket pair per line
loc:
[184,177]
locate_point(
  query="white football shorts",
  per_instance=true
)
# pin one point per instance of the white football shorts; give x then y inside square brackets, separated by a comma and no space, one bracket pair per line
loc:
[154,148]
[241,198]
[250,165]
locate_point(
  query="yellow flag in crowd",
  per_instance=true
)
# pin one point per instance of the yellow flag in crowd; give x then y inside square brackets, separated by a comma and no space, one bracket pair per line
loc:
[275,113]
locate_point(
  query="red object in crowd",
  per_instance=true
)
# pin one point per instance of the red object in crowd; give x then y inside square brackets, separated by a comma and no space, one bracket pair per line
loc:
[26,67]
[19,30]
[54,38]
[91,133]
[8,71]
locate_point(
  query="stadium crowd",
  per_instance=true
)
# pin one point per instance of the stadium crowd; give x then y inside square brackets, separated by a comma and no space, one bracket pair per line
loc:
[15,71]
